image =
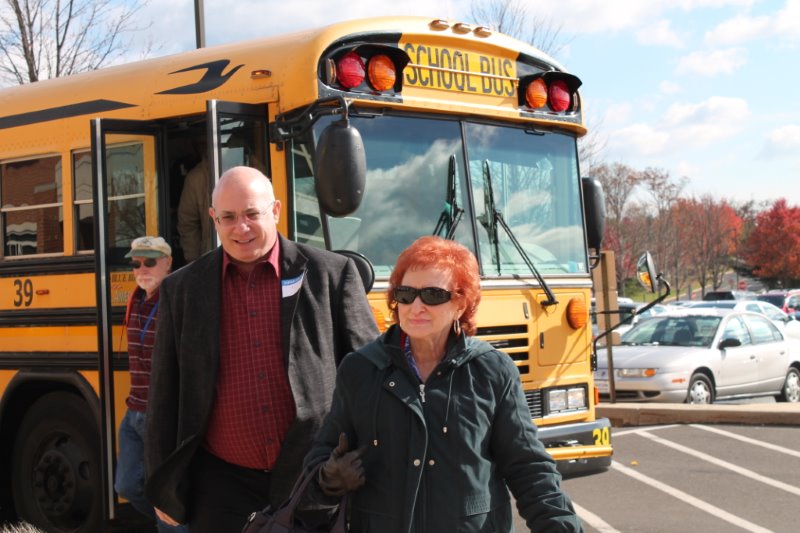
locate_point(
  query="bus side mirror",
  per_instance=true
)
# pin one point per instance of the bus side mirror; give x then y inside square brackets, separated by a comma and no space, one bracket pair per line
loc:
[340,169]
[646,272]
[594,211]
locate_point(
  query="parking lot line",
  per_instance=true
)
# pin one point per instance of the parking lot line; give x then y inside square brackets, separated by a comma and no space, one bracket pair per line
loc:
[748,440]
[724,464]
[688,498]
[588,517]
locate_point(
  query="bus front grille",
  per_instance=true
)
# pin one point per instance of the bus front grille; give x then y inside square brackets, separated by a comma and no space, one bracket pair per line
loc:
[534,400]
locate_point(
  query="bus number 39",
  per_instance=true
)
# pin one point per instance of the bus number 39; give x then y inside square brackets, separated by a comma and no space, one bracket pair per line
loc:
[23,292]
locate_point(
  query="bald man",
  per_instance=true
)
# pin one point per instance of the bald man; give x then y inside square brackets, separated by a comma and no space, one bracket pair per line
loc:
[244,365]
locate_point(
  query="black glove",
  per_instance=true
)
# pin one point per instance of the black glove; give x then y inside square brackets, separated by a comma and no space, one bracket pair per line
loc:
[343,471]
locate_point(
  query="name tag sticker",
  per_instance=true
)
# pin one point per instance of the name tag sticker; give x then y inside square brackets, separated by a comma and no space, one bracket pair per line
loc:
[289,287]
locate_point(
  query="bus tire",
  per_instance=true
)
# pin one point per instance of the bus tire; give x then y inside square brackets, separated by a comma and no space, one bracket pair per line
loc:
[56,466]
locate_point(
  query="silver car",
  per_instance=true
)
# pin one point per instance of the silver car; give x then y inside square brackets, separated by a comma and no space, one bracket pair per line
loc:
[701,355]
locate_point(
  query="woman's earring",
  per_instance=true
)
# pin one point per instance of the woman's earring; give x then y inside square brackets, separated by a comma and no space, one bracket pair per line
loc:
[456,327]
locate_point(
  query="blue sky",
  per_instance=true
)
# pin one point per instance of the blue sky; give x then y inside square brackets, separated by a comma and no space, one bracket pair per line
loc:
[706,89]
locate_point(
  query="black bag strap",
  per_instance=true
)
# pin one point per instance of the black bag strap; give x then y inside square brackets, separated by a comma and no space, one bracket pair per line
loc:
[285,515]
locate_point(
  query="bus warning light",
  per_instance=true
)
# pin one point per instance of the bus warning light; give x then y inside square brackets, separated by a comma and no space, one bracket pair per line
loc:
[382,73]
[350,70]
[559,96]
[536,93]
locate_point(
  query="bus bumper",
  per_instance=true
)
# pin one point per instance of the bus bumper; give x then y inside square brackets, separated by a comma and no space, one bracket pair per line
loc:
[579,448]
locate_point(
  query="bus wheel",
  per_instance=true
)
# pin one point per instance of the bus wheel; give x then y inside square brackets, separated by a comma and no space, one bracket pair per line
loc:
[56,462]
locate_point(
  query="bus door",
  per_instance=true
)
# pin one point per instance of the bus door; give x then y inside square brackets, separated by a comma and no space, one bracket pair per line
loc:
[129,202]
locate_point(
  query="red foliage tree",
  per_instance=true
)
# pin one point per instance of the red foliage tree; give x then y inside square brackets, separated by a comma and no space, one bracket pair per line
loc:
[773,247]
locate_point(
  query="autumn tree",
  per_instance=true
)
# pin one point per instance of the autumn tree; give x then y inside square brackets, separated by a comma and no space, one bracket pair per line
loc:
[773,247]
[619,182]
[661,191]
[712,237]
[41,39]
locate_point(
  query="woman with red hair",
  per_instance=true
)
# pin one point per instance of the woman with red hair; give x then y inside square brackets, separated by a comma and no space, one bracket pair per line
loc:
[436,419]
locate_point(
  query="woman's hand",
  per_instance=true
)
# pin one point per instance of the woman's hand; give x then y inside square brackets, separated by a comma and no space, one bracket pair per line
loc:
[343,471]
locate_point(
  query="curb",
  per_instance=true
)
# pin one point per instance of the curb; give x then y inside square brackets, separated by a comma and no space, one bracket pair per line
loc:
[625,415]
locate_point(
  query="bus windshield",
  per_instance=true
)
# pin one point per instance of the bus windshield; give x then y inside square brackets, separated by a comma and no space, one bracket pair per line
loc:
[534,185]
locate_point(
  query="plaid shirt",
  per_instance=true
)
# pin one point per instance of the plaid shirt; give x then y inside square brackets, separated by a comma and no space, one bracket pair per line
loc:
[254,406]
[141,337]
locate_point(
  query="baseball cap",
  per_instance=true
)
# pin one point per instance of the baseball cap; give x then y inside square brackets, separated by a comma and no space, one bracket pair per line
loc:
[149,247]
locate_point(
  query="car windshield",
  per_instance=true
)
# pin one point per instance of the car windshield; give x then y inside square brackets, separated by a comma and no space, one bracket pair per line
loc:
[695,331]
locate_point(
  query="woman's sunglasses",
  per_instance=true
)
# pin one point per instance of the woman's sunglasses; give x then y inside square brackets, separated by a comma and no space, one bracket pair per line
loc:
[148,262]
[428,295]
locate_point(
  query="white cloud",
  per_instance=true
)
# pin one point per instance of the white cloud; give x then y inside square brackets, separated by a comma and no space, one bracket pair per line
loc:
[669,87]
[787,21]
[684,168]
[637,140]
[782,142]
[713,62]
[659,33]
[594,16]
[617,113]
[738,30]
[682,126]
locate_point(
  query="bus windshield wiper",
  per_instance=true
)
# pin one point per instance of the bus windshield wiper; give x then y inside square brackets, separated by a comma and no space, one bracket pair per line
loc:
[493,218]
[451,214]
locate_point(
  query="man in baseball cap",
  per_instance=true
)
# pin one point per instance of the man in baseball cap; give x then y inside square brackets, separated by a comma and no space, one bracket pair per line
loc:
[149,247]
[151,259]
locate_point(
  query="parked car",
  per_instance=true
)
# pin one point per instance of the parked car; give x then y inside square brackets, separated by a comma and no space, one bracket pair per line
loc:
[625,308]
[776,298]
[784,322]
[729,295]
[656,310]
[702,355]
[791,306]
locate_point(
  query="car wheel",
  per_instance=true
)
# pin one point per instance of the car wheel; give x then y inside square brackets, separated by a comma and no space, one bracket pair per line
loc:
[791,387]
[700,390]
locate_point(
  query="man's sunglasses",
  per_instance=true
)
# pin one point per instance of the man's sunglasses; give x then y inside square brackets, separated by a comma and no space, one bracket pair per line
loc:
[149,262]
[428,295]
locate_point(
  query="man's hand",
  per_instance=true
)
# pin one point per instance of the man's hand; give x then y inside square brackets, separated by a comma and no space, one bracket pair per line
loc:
[343,471]
[164,517]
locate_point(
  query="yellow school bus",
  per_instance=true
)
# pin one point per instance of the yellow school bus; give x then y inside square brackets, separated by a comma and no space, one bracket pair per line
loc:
[374,133]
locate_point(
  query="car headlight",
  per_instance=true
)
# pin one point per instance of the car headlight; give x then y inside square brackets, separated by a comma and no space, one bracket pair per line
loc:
[566,399]
[637,372]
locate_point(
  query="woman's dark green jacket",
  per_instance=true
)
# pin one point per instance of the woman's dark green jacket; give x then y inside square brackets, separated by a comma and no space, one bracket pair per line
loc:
[440,456]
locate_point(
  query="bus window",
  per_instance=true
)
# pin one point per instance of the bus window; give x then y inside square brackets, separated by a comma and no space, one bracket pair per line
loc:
[32,215]
[84,220]
[242,143]
[125,164]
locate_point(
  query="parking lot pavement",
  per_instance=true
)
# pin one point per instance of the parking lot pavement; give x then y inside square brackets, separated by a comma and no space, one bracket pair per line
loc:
[649,414]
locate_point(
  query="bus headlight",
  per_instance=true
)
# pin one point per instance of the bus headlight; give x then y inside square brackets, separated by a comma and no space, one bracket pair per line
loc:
[572,399]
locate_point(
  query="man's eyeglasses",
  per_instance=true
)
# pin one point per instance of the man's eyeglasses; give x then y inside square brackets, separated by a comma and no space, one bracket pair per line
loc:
[228,219]
[428,295]
[149,262]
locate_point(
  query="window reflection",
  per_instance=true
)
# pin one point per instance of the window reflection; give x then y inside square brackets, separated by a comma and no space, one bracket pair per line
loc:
[534,179]
[83,216]
[32,217]
[535,187]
